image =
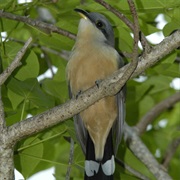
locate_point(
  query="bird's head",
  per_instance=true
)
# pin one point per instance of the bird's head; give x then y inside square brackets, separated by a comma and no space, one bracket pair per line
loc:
[94,26]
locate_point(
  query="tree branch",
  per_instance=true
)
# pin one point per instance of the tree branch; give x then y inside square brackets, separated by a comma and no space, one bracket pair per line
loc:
[143,154]
[6,149]
[2,116]
[136,30]
[133,65]
[170,152]
[156,111]
[131,170]
[15,63]
[48,62]
[62,112]
[71,155]
[37,24]
[159,51]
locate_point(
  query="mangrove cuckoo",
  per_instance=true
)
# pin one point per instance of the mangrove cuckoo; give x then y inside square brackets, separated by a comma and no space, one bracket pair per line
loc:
[94,58]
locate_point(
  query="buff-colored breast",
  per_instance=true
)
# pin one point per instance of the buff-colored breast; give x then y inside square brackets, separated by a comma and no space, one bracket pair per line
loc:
[83,69]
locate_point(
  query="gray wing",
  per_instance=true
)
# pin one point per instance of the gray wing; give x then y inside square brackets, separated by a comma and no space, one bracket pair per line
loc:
[81,132]
[119,123]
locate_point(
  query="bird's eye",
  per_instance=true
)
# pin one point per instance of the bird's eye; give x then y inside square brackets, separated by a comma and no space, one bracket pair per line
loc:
[99,24]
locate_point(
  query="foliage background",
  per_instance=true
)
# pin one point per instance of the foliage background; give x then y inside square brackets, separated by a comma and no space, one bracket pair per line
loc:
[24,95]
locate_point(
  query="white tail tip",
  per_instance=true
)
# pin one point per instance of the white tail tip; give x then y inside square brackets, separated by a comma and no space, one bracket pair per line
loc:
[92,167]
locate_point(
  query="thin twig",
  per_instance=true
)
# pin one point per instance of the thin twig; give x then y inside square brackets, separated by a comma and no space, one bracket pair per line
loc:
[170,152]
[136,30]
[134,62]
[63,53]
[132,67]
[37,24]
[117,13]
[2,116]
[121,16]
[15,63]
[49,63]
[156,111]
[143,154]
[71,155]
[131,170]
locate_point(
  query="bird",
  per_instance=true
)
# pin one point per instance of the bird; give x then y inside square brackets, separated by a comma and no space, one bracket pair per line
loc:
[99,128]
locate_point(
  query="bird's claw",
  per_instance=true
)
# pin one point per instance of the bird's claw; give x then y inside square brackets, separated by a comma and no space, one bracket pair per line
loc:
[97,82]
[79,92]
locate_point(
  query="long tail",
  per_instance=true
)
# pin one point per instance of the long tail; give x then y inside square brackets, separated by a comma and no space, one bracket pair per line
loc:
[100,170]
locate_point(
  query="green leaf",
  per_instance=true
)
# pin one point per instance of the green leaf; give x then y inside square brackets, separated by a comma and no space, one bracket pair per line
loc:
[145,105]
[134,163]
[11,49]
[27,159]
[159,83]
[125,40]
[142,91]
[170,27]
[54,138]
[14,117]
[15,99]
[29,69]
[173,116]
[20,32]
[70,129]
[56,89]
[148,28]
[57,41]
[4,3]
[175,163]
[167,69]
[61,73]
[170,58]
[31,92]
[132,105]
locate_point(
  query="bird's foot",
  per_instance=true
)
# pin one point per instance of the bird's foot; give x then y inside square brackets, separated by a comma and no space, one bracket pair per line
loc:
[97,82]
[77,95]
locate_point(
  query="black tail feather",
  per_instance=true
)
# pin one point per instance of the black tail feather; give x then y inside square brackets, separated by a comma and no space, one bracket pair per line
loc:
[99,170]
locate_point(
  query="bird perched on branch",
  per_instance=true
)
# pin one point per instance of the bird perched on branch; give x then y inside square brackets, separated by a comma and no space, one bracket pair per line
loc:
[99,128]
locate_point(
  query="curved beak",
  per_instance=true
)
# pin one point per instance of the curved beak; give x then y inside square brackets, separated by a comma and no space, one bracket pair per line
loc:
[83,14]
